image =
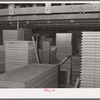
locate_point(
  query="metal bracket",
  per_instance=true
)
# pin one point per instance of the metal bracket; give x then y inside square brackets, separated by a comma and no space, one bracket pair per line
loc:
[48,8]
[11,9]
[9,18]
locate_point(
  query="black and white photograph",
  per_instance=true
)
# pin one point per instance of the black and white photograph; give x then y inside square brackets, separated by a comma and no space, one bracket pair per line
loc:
[49,45]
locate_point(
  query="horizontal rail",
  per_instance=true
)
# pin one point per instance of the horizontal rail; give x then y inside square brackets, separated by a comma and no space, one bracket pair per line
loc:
[72,17]
[52,9]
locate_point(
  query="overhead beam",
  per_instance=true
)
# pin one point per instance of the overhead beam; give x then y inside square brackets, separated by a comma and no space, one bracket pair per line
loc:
[72,17]
[53,9]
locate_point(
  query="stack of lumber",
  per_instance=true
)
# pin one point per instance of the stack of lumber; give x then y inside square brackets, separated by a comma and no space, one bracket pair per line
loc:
[31,76]
[49,39]
[63,44]
[75,68]
[46,52]
[90,64]
[43,38]
[2,59]
[13,35]
[19,54]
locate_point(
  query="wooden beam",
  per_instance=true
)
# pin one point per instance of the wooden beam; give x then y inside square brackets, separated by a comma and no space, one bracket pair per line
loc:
[53,9]
[51,17]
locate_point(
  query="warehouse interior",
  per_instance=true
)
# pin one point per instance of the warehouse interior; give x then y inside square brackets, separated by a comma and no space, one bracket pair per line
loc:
[50,45]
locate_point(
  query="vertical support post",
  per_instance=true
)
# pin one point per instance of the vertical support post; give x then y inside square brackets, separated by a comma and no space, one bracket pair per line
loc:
[18,25]
[11,9]
[48,8]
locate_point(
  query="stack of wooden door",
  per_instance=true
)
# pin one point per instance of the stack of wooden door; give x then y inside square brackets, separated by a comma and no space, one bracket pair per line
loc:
[31,76]
[1,37]
[13,35]
[46,52]
[90,64]
[19,54]
[75,68]
[64,46]
[2,59]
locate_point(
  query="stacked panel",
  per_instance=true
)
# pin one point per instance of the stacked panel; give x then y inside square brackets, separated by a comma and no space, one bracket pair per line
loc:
[13,35]
[2,59]
[31,76]
[1,37]
[90,65]
[19,54]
